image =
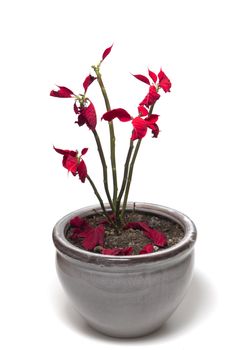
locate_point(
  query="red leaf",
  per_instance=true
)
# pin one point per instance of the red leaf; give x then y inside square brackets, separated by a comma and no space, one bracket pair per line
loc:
[164,82]
[84,151]
[78,225]
[147,249]
[70,160]
[142,111]
[76,109]
[107,52]
[117,251]
[62,92]
[93,237]
[65,152]
[155,130]
[151,97]
[142,78]
[140,128]
[152,75]
[119,113]
[87,82]
[87,115]
[82,171]
[157,237]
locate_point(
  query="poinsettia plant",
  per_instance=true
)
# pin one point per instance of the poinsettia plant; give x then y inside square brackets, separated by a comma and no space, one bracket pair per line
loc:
[144,121]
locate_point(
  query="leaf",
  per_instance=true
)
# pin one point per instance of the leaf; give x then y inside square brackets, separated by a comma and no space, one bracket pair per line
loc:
[77,226]
[164,82]
[148,248]
[142,78]
[157,237]
[152,75]
[84,151]
[119,113]
[82,171]
[93,237]
[87,82]
[140,128]
[117,251]
[62,92]
[107,52]
[76,108]
[151,97]
[142,111]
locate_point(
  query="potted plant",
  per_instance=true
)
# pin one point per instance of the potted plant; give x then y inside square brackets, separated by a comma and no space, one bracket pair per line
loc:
[125,266]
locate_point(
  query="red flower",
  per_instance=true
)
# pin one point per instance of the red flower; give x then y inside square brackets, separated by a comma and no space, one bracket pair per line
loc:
[157,237]
[86,115]
[164,82]
[149,248]
[73,163]
[93,236]
[141,125]
[119,113]
[117,251]
[63,92]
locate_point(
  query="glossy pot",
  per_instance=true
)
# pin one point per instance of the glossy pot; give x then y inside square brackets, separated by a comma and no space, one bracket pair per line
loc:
[126,296]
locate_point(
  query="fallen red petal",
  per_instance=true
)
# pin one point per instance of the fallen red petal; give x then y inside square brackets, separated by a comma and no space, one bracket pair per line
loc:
[117,251]
[142,78]
[107,52]
[119,113]
[87,82]
[62,92]
[93,237]
[164,82]
[157,237]
[149,248]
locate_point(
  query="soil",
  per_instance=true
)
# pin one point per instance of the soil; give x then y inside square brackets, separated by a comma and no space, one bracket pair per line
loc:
[134,237]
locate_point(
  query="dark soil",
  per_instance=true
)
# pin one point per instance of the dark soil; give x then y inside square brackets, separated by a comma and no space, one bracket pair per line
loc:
[134,237]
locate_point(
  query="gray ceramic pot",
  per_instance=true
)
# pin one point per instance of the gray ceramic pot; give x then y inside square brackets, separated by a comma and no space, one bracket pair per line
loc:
[126,296]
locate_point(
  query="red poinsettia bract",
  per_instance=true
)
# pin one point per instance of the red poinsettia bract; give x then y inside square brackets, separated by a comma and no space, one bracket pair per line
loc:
[62,92]
[86,115]
[157,237]
[74,163]
[148,248]
[141,125]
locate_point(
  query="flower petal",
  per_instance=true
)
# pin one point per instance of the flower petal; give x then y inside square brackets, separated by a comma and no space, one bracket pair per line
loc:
[76,108]
[107,52]
[70,163]
[65,152]
[164,82]
[152,75]
[142,78]
[82,171]
[87,115]
[149,248]
[140,128]
[62,92]
[142,111]
[84,151]
[119,113]
[87,82]
[151,97]
[93,237]
[157,237]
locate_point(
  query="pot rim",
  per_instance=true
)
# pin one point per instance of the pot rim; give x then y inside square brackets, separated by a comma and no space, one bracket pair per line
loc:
[181,248]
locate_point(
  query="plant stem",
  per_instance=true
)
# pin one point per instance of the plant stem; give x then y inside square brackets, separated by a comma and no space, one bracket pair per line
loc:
[130,178]
[112,135]
[105,169]
[99,198]
[118,202]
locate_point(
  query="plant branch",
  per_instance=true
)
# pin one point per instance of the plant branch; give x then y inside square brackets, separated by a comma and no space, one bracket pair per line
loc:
[105,169]
[125,176]
[112,135]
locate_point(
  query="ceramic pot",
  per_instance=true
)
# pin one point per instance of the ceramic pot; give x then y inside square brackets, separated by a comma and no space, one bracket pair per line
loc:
[126,296]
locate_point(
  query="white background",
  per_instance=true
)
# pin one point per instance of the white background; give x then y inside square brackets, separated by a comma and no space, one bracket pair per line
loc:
[189,167]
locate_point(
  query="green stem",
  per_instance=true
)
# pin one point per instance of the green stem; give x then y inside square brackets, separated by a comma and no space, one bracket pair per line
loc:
[112,135]
[99,198]
[126,169]
[105,169]
[130,178]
